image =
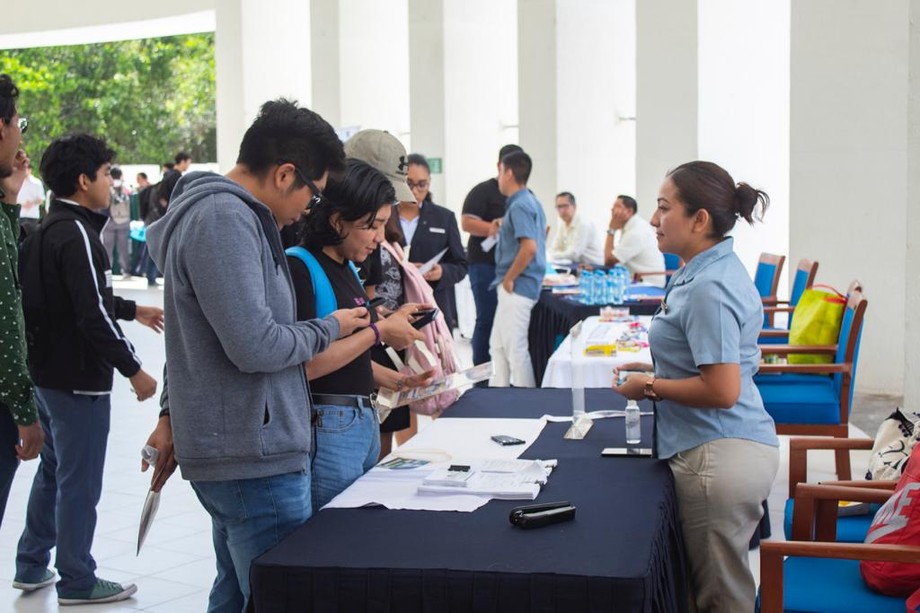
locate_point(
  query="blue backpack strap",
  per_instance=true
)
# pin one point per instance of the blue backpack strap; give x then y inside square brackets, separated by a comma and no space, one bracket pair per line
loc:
[354,269]
[322,288]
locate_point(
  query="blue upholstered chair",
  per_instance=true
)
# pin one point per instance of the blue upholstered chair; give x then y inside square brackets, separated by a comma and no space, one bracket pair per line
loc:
[804,278]
[820,574]
[815,399]
[672,264]
[766,280]
[849,528]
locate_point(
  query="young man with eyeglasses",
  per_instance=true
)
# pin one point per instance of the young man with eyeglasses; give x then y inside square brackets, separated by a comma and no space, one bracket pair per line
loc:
[238,400]
[21,435]
[75,345]
[575,240]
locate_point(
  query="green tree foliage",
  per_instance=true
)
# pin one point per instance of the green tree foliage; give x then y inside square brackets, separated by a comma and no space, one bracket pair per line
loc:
[149,98]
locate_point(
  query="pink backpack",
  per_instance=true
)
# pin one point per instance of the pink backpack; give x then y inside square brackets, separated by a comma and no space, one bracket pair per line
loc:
[437,351]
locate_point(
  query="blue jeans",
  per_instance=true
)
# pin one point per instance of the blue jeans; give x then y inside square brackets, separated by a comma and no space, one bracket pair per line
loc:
[347,446]
[66,489]
[249,517]
[481,276]
[9,462]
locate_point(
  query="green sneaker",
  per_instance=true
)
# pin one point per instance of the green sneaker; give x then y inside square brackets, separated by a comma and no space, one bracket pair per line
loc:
[30,586]
[103,591]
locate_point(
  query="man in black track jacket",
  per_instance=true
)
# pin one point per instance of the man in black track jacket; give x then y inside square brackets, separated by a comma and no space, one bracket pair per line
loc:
[74,347]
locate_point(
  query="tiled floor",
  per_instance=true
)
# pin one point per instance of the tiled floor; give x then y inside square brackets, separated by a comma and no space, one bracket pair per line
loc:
[176,566]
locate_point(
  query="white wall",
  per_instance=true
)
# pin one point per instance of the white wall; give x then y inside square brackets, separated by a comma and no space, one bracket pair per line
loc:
[849,166]
[666,93]
[374,60]
[596,90]
[480,92]
[744,111]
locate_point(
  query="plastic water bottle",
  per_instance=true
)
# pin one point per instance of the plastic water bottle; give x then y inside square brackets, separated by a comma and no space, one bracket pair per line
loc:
[585,286]
[633,424]
[623,273]
[600,287]
[612,289]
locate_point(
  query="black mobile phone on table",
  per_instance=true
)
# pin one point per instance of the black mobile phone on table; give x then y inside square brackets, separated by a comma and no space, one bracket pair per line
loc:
[504,439]
[423,318]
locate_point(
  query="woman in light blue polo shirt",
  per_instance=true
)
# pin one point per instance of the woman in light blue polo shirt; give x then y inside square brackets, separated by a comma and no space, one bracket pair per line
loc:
[711,424]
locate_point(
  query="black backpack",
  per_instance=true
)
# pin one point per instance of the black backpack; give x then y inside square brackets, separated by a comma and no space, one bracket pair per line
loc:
[39,321]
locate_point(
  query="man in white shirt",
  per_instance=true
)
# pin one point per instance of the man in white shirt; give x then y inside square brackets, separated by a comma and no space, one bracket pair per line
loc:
[574,241]
[31,197]
[637,246]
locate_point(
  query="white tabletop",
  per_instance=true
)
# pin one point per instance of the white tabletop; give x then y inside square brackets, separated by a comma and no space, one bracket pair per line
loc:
[595,371]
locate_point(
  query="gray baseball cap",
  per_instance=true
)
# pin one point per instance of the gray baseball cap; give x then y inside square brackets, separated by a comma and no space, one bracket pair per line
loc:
[384,152]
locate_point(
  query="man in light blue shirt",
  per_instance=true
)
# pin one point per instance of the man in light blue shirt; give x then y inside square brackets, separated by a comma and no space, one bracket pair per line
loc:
[520,263]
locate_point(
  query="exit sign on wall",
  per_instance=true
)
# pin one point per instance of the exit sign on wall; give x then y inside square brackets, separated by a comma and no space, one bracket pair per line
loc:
[436,165]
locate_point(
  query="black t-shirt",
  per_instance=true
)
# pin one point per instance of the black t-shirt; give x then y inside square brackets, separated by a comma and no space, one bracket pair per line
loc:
[487,203]
[371,270]
[356,377]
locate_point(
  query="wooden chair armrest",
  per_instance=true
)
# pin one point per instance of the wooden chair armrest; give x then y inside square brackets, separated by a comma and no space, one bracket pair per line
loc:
[656,273]
[778,309]
[772,553]
[774,333]
[816,506]
[787,349]
[804,369]
[888,486]
[769,300]
[798,454]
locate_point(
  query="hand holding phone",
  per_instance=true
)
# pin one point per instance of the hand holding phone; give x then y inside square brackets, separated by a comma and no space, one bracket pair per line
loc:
[423,318]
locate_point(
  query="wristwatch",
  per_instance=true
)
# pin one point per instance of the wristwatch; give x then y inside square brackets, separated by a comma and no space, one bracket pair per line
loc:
[611,231]
[648,391]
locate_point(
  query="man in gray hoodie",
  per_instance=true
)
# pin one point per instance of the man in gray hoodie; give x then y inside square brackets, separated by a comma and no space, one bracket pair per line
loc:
[239,402]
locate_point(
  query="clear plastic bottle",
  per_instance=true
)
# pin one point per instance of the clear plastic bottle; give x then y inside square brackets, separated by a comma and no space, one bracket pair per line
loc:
[585,286]
[633,424]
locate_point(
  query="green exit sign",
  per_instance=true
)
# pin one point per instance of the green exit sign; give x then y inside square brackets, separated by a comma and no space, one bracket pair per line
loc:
[436,165]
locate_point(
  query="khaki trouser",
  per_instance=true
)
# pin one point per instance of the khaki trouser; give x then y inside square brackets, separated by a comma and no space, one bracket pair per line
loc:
[720,488]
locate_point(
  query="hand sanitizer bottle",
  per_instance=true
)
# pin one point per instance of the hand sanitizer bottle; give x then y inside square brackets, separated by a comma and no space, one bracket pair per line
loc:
[633,425]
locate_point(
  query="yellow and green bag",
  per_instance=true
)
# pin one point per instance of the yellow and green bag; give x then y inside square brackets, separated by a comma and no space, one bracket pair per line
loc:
[816,321]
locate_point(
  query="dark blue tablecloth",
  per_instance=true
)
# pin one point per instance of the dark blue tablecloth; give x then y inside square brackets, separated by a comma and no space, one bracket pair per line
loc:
[554,315]
[623,551]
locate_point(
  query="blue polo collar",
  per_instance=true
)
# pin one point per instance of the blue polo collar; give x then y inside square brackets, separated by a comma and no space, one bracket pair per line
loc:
[703,260]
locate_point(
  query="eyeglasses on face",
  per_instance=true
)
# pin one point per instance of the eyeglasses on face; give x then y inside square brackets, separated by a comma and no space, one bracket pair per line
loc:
[419,185]
[317,198]
[23,125]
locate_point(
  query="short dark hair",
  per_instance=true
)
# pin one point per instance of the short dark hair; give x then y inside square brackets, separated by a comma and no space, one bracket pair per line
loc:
[520,165]
[568,195]
[68,157]
[182,156]
[506,150]
[168,165]
[142,174]
[166,186]
[705,185]
[9,93]
[116,172]
[356,195]
[629,202]
[285,132]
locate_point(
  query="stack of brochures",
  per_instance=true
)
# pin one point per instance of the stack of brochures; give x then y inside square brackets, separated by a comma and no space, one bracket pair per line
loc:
[504,479]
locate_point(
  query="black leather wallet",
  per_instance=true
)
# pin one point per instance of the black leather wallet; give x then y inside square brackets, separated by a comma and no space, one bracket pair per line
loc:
[539,515]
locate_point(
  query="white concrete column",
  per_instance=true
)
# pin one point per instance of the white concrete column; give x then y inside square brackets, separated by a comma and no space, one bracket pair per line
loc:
[744,112]
[666,92]
[912,251]
[537,94]
[374,56]
[426,88]
[850,121]
[324,43]
[595,104]
[250,71]
[480,91]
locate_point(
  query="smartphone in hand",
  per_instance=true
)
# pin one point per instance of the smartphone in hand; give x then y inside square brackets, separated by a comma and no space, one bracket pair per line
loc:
[423,318]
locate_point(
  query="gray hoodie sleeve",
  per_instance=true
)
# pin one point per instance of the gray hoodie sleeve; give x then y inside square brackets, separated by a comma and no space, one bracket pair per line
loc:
[225,270]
